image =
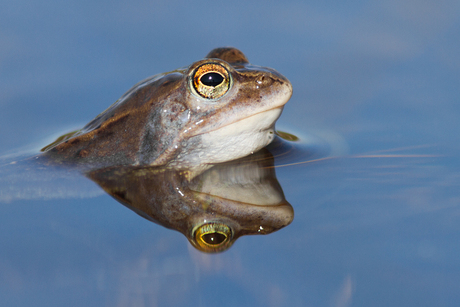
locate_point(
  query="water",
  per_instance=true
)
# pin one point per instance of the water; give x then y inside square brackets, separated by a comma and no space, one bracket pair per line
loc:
[376,223]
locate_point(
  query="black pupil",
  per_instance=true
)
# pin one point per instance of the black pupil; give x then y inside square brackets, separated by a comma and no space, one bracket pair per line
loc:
[212,79]
[213,238]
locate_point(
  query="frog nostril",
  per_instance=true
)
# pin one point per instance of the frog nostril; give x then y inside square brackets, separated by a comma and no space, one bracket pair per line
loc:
[263,81]
[260,80]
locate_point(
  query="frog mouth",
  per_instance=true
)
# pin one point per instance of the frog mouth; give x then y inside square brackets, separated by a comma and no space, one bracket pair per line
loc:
[261,121]
[270,108]
[239,138]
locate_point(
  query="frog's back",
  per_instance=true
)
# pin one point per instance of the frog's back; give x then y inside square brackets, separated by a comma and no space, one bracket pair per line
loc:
[114,134]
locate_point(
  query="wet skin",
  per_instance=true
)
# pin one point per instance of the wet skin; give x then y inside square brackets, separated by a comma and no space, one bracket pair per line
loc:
[218,109]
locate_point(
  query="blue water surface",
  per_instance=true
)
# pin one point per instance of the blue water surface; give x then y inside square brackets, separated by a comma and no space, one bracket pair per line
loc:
[376,225]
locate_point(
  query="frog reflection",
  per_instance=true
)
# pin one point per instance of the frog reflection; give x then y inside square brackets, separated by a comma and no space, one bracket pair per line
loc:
[214,208]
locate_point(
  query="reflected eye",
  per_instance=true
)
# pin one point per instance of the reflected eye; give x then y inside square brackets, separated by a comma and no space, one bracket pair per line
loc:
[213,237]
[211,80]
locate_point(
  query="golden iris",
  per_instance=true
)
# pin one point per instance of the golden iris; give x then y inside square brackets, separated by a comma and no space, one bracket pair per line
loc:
[211,80]
[213,237]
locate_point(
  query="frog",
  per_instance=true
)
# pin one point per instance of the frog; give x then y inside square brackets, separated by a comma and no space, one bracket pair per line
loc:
[217,109]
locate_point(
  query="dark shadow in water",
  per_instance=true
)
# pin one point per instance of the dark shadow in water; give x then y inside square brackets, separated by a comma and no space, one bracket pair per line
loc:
[214,208]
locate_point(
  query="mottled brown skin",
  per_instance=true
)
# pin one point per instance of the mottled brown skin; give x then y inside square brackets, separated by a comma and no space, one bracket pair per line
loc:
[162,119]
[115,133]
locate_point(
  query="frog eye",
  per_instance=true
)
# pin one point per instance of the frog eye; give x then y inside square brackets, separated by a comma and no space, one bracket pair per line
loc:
[213,237]
[211,80]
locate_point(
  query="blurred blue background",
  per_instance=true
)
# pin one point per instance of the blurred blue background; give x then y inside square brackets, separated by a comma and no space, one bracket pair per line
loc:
[373,78]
